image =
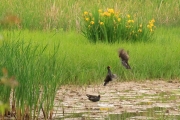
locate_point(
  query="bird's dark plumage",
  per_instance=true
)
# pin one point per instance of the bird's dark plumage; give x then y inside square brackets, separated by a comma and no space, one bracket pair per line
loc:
[124,58]
[109,76]
[93,98]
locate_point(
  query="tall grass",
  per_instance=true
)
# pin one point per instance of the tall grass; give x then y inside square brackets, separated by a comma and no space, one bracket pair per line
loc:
[36,71]
[42,63]
[84,63]
[67,15]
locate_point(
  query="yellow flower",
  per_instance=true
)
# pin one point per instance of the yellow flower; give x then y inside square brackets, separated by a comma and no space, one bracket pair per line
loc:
[87,19]
[92,22]
[153,20]
[101,23]
[130,21]
[104,109]
[151,30]
[140,30]
[151,24]
[85,13]
[100,10]
[140,25]
[111,11]
[148,26]
[107,14]
[119,19]
[128,16]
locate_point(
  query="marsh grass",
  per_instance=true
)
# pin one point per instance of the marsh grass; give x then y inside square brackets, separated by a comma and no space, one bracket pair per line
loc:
[67,15]
[42,61]
[85,63]
[37,73]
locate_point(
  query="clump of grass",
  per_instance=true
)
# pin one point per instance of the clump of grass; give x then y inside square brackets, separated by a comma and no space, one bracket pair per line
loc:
[37,73]
[111,26]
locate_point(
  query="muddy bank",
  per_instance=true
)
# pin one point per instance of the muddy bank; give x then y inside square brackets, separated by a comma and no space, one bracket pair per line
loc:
[119,98]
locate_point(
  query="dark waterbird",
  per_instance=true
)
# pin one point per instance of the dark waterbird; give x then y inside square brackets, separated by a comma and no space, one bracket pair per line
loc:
[109,76]
[93,98]
[124,58]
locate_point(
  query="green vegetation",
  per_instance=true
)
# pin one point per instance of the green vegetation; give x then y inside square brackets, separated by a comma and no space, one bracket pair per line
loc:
[67,15]
[41,61]
[37,73]
[109,26]
[84,63]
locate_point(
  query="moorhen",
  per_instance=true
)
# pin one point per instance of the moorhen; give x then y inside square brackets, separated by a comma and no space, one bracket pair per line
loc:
[109,76]
[124,58]
[93,98]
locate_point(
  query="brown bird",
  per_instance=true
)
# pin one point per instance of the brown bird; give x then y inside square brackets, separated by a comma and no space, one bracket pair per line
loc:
[109,76]
[124,58]
[93,98]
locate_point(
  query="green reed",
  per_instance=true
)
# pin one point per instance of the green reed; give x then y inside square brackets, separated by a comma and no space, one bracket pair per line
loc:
[37,73]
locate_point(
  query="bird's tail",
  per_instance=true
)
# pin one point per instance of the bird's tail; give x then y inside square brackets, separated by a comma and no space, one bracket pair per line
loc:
[114,76]
[105,83]
[126,64]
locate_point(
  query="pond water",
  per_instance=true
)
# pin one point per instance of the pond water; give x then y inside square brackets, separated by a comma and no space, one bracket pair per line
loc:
[120,101]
